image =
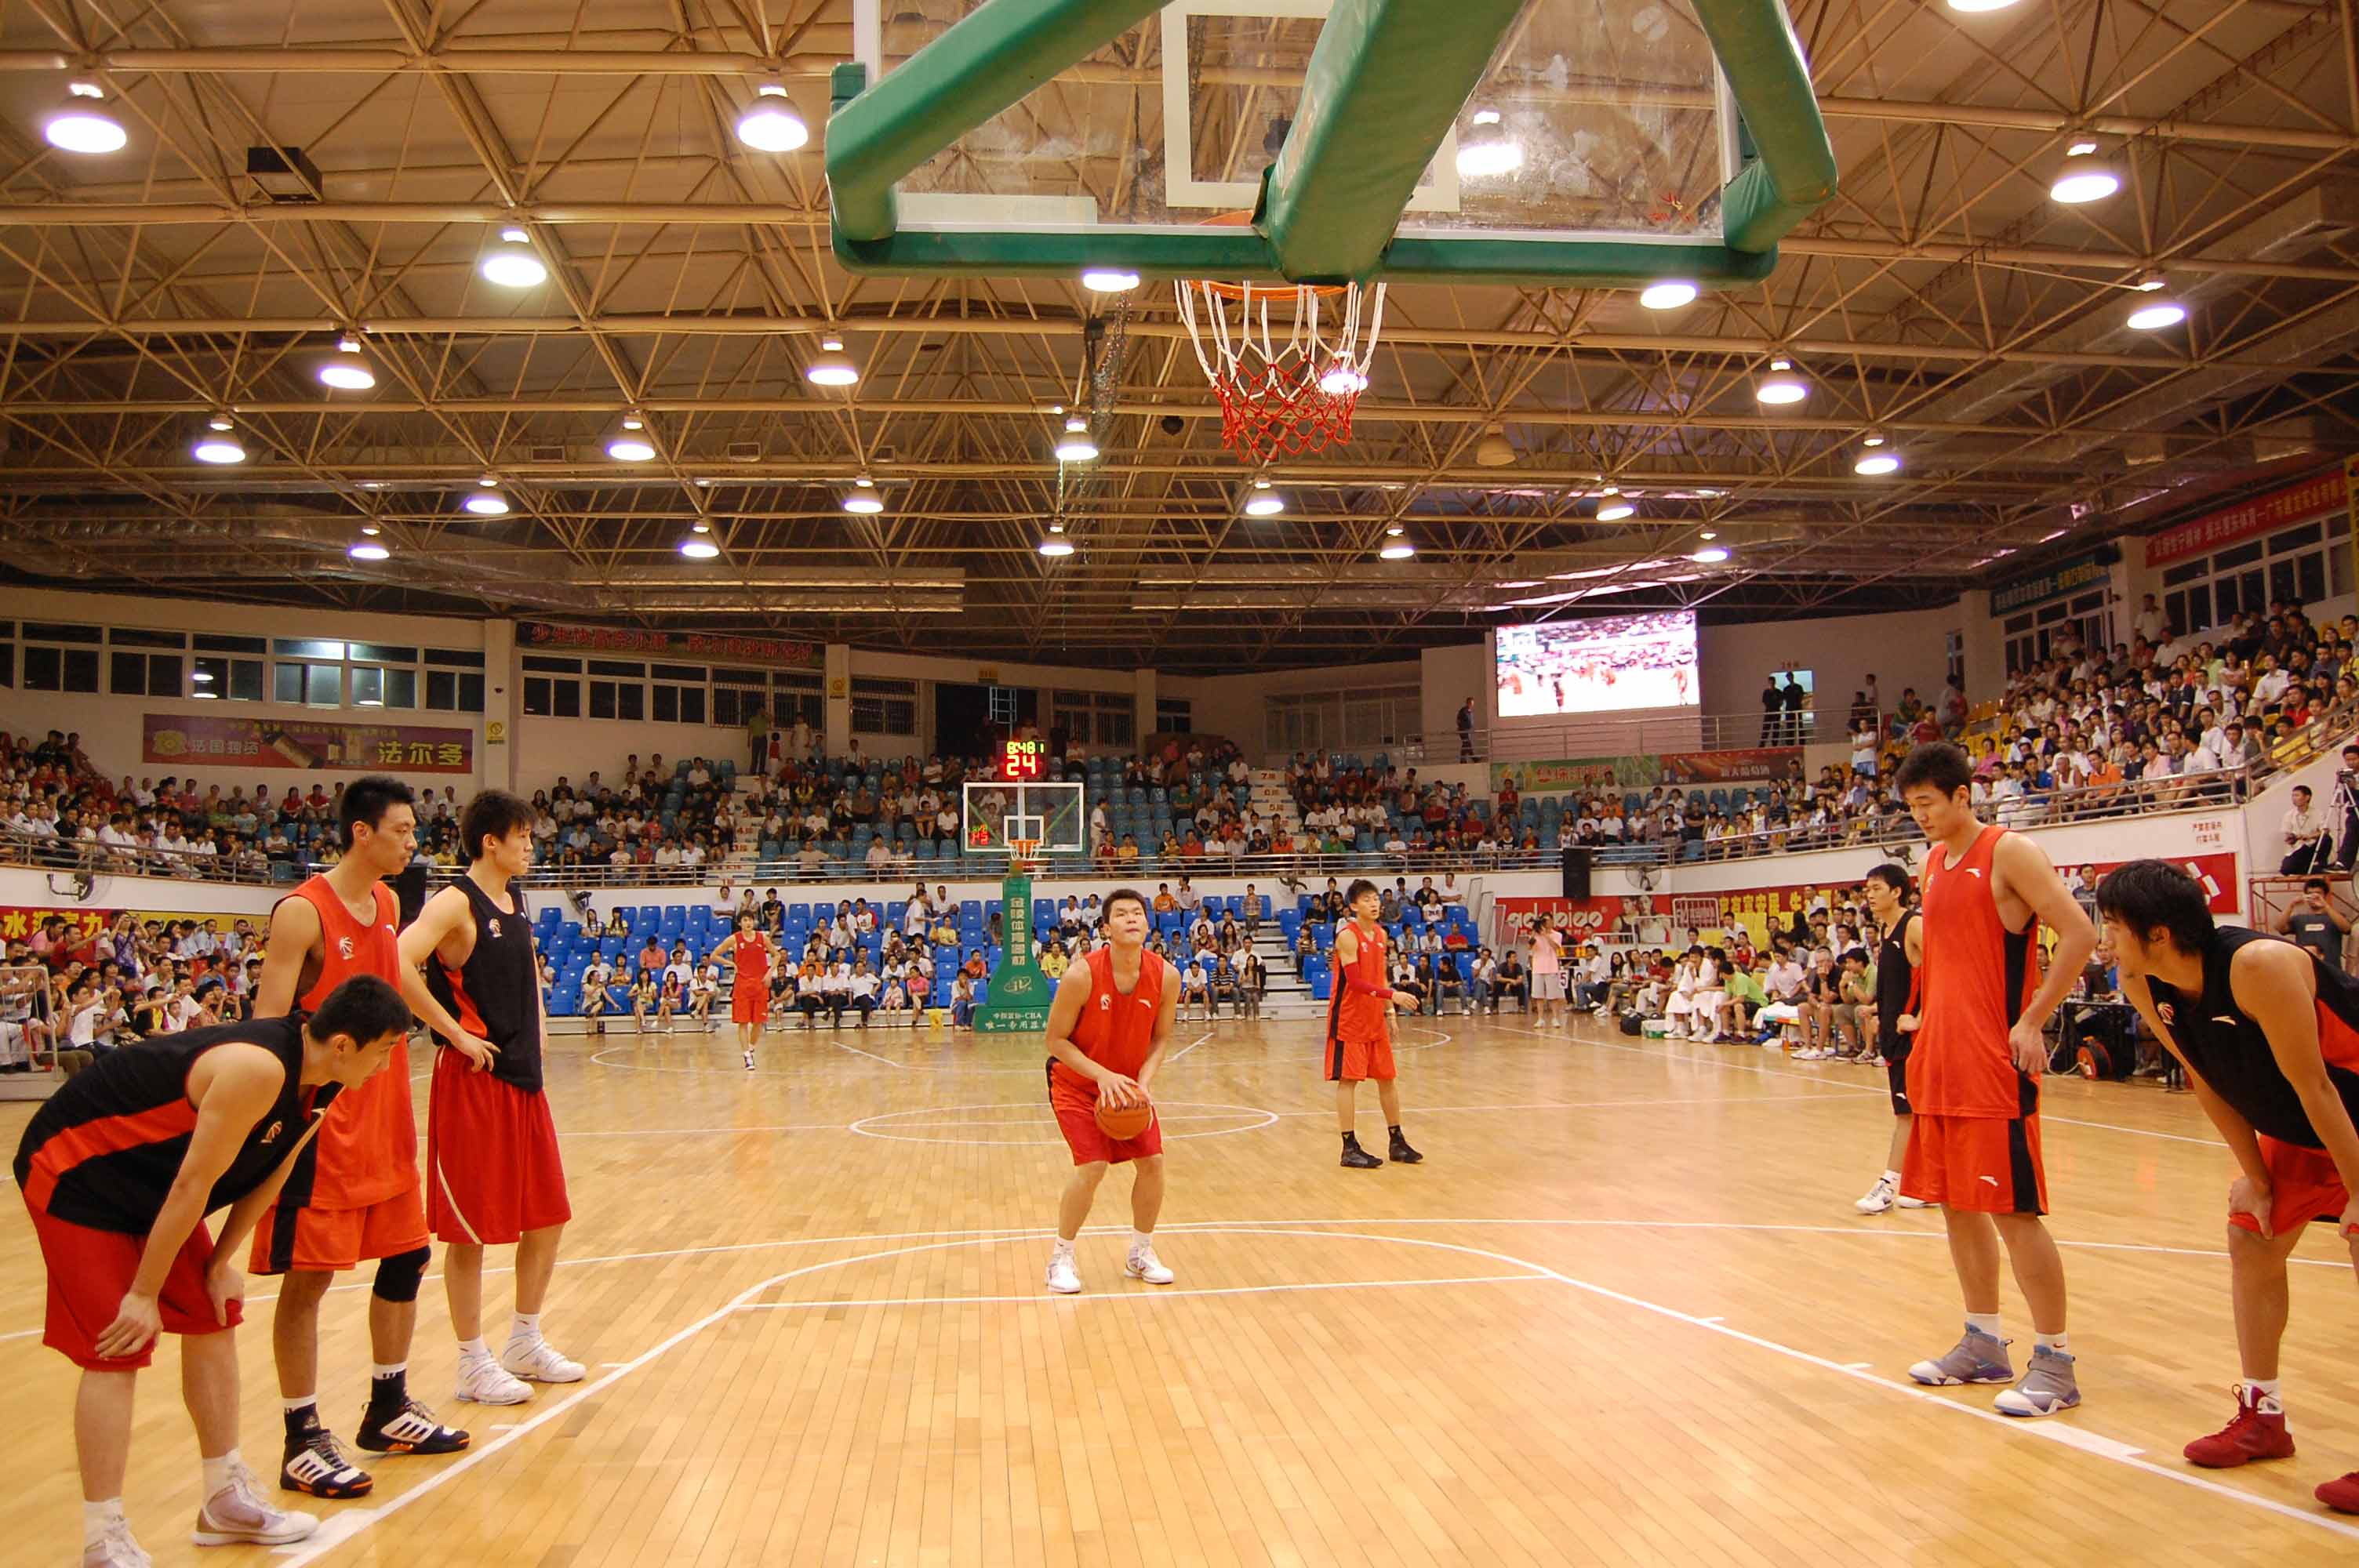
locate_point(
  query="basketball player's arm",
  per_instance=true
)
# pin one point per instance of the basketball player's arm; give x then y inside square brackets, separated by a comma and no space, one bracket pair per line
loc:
[435,922]
[2250,1195]
[2028,876]
[2278,989]
[232,1088]
[1165,1016]
[1064,1011]
[294,937]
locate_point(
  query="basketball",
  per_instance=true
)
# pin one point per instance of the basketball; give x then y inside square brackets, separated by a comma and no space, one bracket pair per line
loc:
[1120,1122]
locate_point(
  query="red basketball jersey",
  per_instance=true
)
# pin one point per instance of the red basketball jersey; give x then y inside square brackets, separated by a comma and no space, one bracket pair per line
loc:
[1351,1015]
[1116,1028]
[752,963]
[1974,983]
[368,1140]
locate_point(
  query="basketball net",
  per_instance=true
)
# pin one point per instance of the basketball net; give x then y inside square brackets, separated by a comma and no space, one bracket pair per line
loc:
[1283,391]
[1020,851]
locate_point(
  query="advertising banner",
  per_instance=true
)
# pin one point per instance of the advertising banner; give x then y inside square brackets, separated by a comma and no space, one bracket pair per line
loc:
[312,746]
[1742,764]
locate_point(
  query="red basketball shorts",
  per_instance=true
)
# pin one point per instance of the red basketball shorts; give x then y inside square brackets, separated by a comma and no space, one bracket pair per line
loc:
[312,1239]
[2304,1185]
[1079,1122]
[1351,1060]
[749,1006]
[492,1167]
[90,1270]
[1985,1165]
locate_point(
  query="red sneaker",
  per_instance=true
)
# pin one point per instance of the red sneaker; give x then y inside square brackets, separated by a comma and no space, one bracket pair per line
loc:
[2259,1432]
[2342,1494]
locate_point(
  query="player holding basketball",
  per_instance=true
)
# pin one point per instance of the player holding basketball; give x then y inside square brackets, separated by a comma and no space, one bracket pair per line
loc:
[118,1169]
[749,994]
[1974,1075]
[354,1196]
[1108,1026]
[2270,1036]
[491,1146]
[1359,1027]
[1887,889]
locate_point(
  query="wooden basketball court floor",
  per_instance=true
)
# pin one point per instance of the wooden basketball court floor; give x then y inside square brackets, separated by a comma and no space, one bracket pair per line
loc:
[1623,1314]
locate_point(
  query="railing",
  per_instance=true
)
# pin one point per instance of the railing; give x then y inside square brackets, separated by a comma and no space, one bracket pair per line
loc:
[1601,735]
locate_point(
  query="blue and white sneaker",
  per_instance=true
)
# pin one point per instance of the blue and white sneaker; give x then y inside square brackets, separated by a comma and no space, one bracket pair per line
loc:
[1978,1357]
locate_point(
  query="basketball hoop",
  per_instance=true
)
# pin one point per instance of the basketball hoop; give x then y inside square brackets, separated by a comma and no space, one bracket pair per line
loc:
[1283,391]
[1020,851]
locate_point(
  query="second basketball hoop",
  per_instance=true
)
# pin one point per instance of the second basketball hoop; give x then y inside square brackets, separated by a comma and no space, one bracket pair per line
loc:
[1288,361]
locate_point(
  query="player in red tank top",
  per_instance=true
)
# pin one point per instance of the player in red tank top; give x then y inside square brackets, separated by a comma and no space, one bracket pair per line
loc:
[1360,1029]
[1973,1074]
[749,994]
[356,1197]
[1108,1026]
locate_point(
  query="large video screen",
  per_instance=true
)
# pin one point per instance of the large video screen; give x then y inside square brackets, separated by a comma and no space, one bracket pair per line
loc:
[1601,665]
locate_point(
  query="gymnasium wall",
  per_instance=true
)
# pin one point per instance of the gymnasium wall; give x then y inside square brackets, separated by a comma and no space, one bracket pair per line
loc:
[1902,649]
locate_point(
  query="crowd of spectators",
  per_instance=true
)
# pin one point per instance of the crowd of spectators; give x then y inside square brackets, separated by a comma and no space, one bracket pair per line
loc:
[80,992]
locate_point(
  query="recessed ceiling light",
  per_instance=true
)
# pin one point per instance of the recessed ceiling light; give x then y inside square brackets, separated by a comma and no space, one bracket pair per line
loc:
[512,263]
[771,125]
[1667,294]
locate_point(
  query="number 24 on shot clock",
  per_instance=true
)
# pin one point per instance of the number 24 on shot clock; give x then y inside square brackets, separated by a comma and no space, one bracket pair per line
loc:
[1021,761]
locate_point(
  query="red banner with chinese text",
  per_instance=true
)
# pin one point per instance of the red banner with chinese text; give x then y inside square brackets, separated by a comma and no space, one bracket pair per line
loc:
[208,740]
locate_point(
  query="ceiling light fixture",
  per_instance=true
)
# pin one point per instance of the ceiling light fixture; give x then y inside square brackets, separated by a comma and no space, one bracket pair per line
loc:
[1054,544]
[1781,385]
[1344,379]
[1707,535]
[81,125]
[487,501]
[1076,447]
[630,444]
[1711,555]
[1264,504]
[1396,550]
[1873,463]
[771,125]
[2157,314]
[2149,283]
[220,443]
[863,500]
[1109,279]
[346,370]
[1976,7]
[1667,294]
[1493,450]
[697,546]
[1485,150]
[2086,178]
[368,550]
[833,367]
[512,262]
[1614,510]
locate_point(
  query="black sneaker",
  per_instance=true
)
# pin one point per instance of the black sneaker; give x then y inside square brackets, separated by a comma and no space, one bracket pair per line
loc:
[411,1429]
[318,1466]
[1358,1159]
[1402,1154]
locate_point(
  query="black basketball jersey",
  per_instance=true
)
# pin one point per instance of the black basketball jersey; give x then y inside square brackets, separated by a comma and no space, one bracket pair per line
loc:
[2231,1056]
[104,1150]
[496,994]
[1894,976]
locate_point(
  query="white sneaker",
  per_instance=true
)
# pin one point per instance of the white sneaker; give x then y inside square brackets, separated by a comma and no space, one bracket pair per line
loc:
[537,1360]
[116,1549]
[236,1515]
[1063,1277]
[1879,1199]
[482,1380]
[749,1061]
[1907,1202]
[1144,1264]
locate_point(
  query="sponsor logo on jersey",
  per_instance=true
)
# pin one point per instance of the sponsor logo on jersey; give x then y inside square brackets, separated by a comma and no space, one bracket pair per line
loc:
[1975,873]
[2168,1013]
[272,1136]
[1105,1003]
[494,928]
[343,947]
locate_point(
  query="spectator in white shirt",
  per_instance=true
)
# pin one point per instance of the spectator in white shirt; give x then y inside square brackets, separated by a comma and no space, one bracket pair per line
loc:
[2304,833]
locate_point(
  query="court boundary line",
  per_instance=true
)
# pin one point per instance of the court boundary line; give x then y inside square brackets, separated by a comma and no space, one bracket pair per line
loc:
[2078,1440]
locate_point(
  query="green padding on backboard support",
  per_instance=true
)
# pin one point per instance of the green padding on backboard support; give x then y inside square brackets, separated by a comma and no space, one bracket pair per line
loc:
[1771,82]
[1384,86]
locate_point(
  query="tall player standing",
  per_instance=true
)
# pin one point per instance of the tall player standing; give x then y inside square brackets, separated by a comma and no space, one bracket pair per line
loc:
[1359,1024]
[2269,1032]
[1974,1075]
[749,993]
[354,1196]
[491,1146]
[1109,1024]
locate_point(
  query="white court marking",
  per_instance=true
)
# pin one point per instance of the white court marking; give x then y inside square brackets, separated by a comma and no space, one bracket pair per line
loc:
[866,1127]
[339,1529]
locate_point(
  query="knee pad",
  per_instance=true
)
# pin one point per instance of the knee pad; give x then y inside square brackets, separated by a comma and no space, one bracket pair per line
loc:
[397,1279]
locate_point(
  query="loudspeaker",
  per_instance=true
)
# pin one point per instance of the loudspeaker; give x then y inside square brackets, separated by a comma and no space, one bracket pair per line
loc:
[1576,872]
[409,889]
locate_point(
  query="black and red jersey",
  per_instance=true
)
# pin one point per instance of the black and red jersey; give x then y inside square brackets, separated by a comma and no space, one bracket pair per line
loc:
[104,1150]
[2231,1054]
[496,994]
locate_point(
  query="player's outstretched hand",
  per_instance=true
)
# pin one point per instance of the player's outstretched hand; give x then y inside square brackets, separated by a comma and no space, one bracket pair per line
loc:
[2246,1195]
[1404,1002]
[2030,1048]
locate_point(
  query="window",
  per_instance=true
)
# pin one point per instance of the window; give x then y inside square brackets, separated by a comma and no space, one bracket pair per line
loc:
[7,664]
[217,678]
[144,674]
[55,632]
[376,687]
[454,691]
[207,643]
[883,707]
[678,695]
[300,648]
[308,685]
[545,698]
[383,654]
[625,700]
[1954,644]
[2298,564]
[797,694]
[1175,715]
[543,662]
[1346,720]
[139,637]
[60,669]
